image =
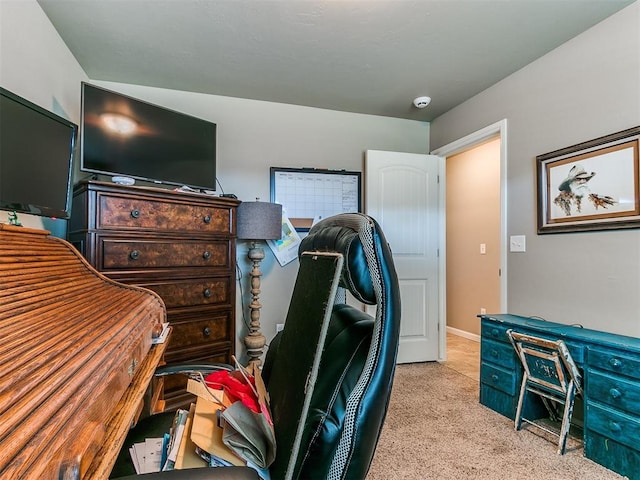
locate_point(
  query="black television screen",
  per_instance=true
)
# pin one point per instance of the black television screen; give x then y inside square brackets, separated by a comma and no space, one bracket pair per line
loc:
[36,155]
[124,136]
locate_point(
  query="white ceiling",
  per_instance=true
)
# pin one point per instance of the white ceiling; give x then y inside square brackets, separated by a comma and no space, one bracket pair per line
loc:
[361,56]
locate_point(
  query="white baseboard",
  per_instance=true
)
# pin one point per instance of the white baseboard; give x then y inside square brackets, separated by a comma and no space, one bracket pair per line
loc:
[462,333]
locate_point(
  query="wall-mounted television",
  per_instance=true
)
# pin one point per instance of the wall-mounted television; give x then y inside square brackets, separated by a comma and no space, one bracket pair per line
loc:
[125,137]
[36,157]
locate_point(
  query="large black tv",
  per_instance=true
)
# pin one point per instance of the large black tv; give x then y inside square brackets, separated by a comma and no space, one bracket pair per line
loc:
[125,137]
[36,157]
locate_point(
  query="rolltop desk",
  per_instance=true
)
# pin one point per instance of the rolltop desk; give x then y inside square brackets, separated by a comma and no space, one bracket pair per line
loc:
[76,359]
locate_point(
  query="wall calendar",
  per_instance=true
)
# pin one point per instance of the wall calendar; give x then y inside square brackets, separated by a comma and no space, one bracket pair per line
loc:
[309,194]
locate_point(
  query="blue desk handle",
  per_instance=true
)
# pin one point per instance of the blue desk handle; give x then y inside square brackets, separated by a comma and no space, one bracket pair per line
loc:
[614,362]
[615,426]
[615,393]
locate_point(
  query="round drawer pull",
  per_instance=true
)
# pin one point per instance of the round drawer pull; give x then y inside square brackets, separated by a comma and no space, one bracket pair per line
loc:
[206,255]
[614,362]
[494,353]
[135,213]
[615,426]
[207,219]
[134,255]
[494,332]
[494,377]
[207,293]
[615,393]
[206,332]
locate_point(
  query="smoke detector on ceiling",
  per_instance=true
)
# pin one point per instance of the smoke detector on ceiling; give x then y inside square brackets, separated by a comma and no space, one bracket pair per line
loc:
[422,102]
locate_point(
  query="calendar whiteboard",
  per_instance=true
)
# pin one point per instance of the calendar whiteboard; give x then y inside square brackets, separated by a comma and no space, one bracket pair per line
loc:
[309,194]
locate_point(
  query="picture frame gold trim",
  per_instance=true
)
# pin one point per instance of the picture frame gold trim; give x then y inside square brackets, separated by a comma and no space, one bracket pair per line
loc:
[594,185]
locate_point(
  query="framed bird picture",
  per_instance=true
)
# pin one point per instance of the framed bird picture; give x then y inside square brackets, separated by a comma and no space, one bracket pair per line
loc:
[593,185]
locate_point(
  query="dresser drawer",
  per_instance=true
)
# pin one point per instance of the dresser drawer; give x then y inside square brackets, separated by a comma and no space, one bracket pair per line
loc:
[127,254]
[617,426]
[499,353]
[208,329]
[611,361]
[614,391]
[188,293]
[498,378]
[495,331]
[126,213]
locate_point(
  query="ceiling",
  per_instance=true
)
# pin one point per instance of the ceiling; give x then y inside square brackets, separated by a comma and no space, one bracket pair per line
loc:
[371,57]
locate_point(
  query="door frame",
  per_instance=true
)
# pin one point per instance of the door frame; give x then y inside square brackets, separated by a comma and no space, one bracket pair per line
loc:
[465,143]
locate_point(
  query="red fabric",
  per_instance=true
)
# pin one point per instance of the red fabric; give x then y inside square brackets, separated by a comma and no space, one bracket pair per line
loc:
[235,386]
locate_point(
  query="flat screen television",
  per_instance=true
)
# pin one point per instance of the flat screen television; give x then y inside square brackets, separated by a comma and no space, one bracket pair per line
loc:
[125,137]
[36,157]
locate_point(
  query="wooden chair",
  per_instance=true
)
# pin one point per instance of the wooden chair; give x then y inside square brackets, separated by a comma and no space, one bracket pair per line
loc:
[550,373]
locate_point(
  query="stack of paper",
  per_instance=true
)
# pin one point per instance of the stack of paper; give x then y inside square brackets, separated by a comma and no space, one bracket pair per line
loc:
[160,454]
[147,456]
[175,439]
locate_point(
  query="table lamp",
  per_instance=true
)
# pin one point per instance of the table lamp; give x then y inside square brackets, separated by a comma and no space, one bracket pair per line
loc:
[257,221]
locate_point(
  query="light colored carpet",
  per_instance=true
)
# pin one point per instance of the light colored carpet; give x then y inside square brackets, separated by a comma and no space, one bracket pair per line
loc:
[436,429]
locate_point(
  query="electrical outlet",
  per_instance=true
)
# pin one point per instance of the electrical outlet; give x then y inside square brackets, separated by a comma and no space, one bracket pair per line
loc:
[483,311]
[483,249]
[279,327]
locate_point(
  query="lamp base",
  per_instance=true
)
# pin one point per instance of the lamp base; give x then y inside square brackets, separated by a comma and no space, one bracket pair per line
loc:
[255,340]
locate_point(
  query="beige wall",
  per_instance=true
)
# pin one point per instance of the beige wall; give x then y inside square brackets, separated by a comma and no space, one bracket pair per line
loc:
[584,89]
[473,218]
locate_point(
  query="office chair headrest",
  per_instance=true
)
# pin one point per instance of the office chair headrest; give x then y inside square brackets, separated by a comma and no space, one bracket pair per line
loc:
[346,239]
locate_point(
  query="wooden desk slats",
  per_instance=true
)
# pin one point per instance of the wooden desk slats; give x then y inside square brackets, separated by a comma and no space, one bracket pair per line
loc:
[75,354]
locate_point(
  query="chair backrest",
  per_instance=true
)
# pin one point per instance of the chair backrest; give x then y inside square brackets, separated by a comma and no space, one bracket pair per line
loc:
[353,386]
[547,363]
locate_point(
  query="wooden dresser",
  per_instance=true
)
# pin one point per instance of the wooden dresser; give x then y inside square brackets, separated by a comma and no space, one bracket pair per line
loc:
[76,359]
[610,366]
[180,245]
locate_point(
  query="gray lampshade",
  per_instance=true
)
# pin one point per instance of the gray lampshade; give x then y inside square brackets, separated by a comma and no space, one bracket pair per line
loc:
[260,221]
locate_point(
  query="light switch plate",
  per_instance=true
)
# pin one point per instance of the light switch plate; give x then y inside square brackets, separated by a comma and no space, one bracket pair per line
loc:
[517,243]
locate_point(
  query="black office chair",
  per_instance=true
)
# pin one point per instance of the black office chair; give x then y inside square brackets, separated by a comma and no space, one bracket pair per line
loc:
[345,412]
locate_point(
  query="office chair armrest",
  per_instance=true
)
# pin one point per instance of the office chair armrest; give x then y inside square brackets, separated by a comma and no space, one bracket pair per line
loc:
[219,473]
[189,368]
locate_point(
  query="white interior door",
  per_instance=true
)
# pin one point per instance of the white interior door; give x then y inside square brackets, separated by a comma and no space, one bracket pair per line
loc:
[401,193]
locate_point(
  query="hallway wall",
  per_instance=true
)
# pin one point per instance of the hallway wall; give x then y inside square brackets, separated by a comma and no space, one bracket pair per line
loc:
[473,219]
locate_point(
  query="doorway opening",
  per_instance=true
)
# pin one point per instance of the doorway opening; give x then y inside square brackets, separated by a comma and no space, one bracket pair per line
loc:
[483,246]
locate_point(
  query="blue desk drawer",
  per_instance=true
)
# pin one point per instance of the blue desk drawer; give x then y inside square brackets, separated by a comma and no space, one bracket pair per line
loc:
[611,361]
[498,378]
[614,390]
[495,331]
[499,353]
[614,425]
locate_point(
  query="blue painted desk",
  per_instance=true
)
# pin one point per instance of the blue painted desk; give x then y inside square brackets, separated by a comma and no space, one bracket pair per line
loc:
[611,375]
